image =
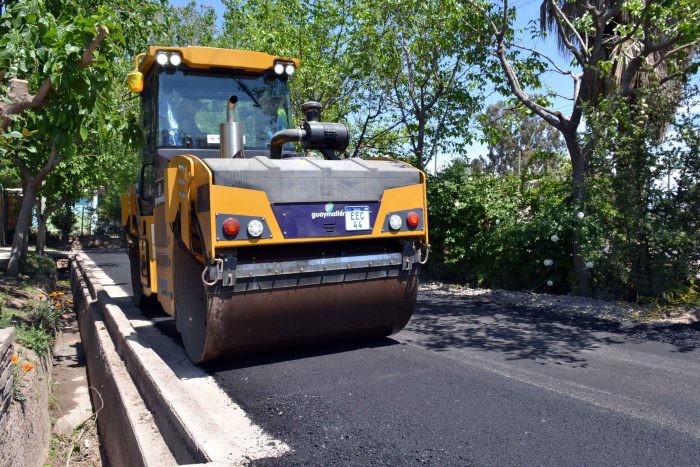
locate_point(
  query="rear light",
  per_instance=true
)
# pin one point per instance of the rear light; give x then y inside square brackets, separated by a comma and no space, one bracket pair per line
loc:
[255,228]
[231,227]
[413,219]
[395,222]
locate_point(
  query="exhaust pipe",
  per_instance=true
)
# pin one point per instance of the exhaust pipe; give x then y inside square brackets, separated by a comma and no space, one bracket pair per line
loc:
[231,131]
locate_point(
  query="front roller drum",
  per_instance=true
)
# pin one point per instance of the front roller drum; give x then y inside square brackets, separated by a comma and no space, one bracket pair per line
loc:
[219,325]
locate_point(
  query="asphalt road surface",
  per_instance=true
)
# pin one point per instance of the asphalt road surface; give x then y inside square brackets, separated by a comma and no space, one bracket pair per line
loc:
[472,383]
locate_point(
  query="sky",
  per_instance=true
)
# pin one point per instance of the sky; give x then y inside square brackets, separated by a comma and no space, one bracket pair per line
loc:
[527,10]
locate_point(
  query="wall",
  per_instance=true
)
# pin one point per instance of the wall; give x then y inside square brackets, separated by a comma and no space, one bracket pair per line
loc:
[25,427]
[7,337]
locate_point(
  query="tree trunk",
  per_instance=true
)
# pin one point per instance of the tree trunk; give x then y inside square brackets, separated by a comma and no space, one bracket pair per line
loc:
[40,231]
[578,199]
[42,219]
[420,146]
[20,241]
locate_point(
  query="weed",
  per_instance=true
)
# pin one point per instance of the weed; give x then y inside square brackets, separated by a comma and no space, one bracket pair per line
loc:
[34,338]
[36,265]
[45,315]
[19,372]
[670,302]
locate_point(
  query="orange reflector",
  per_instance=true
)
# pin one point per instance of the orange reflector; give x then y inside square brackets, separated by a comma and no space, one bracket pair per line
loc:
[232,227]
[413,219]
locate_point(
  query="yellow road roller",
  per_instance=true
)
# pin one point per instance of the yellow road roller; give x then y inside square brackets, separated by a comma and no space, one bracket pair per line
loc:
[253,233]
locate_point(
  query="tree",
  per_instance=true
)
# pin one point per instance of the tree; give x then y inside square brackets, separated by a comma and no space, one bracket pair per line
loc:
[652,35]
[431,73]
[645,193]
[518,140]
[66,52]
[191,24]
[337,49]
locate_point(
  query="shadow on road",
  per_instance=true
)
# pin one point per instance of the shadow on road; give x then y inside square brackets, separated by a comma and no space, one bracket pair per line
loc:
[541,335]
[298,353]
[154,312]
[519,332]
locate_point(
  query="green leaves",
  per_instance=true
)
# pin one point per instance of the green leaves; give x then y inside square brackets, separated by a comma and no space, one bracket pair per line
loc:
[487,231]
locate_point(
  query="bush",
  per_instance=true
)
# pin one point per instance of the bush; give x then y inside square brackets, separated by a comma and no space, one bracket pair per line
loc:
[639,235]
[109,220]
[501,231]
[64,220]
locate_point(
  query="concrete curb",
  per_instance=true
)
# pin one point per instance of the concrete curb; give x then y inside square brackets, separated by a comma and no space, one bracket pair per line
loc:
[125,424]
[199,422]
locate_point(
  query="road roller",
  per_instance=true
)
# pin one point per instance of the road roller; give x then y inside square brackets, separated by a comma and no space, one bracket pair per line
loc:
[257,233]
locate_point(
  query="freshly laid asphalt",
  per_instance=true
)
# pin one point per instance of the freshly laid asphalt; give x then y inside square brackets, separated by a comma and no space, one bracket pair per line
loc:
[472,383]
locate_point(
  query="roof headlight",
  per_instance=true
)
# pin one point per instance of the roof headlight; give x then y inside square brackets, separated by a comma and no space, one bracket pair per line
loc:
[175,59]
[279,68]
[162,58]
[290,69]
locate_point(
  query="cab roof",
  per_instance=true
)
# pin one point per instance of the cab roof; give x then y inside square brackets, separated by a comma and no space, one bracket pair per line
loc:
[211,57]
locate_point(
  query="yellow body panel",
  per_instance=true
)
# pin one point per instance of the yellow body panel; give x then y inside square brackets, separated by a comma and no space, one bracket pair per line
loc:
[147,250]
[211,57]
[246,202]
[130,211]
[186,173]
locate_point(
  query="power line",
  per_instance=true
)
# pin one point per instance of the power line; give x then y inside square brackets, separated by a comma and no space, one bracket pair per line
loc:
[524,3]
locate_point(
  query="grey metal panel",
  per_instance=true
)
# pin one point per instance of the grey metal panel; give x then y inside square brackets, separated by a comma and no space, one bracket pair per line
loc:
[285,274]
[308,179]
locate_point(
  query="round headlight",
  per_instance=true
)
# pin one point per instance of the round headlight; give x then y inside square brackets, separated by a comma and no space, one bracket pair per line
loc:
[175,59]
[255,228]
[290,69]
[279,68]
[161,58]
[395,222]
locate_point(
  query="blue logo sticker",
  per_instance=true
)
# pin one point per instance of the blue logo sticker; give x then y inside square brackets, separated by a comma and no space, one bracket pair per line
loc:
[329,207]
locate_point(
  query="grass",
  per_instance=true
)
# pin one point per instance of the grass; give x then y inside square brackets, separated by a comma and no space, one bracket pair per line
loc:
[26,303]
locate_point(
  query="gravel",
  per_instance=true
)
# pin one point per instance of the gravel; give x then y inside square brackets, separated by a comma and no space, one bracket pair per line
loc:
[621,312]
[678,326]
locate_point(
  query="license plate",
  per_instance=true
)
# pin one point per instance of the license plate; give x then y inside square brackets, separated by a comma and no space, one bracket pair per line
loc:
[356,218]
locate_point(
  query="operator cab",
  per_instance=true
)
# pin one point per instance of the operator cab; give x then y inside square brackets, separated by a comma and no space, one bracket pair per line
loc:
[185,92]
[183,108]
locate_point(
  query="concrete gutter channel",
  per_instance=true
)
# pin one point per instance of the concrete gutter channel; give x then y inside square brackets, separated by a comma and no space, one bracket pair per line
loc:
[155,412]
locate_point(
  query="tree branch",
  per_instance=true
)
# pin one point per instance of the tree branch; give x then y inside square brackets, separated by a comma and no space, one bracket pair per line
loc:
[674,51]
[53,161]
[21,165]
[88,57]
[536,52]
[20,99]
[565,24]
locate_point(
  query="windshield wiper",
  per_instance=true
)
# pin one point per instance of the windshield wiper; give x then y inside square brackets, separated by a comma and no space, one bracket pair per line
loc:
[246,90]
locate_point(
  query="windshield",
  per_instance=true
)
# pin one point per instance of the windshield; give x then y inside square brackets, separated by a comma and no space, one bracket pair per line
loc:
[192,104]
